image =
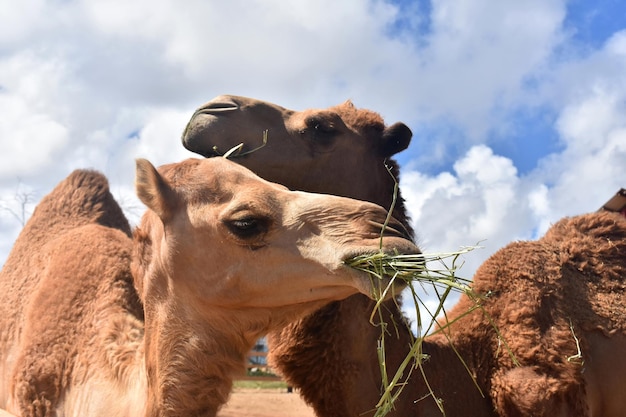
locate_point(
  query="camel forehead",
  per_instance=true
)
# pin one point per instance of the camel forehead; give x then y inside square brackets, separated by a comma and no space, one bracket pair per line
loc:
[218,176]
[192,166]
[192,169]
[358,118]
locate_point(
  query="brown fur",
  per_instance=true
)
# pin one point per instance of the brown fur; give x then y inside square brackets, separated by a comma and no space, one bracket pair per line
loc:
[330,355]
[212,250]
[542,296]
[341,150]
[79,214]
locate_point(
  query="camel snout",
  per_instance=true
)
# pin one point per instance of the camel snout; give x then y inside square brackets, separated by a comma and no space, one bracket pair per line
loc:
[194,136]
[392,236]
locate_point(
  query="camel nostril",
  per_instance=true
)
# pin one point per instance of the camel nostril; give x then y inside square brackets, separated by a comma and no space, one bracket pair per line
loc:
[218,106]
[392,229]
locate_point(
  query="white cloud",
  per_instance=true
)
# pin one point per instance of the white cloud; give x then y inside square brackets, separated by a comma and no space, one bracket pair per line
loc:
[32,128]
[616,45]
[31,138]
[481,53]
[18,18]
[484,197]
[483,202]
[160,130]
[257,48]
[584,124]
[591,169]
[591,95]
[469,205]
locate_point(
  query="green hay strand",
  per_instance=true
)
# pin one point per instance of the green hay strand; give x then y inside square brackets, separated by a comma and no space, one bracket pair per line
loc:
[437,271]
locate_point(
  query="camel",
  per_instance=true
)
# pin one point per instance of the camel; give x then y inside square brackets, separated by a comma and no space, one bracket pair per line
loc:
[96,322]
[330,355]
[559,306]
[343,380]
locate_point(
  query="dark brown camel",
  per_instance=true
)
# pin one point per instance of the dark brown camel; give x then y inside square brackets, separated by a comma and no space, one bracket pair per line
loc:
[342,381]
[95,323]
[345,151]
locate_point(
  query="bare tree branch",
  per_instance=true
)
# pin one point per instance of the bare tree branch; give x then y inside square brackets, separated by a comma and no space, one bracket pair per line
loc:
[23,200]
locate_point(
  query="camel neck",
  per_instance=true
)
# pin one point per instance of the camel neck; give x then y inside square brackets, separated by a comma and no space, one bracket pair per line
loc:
[454,377]
[191,356]
[190,364]
[389,195]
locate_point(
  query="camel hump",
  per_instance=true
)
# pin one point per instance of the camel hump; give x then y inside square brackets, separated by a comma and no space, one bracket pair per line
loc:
[81,198]
[593,243]
[604,225]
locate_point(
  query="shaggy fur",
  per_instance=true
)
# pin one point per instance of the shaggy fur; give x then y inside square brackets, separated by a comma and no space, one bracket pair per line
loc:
[88,332]
[78,219]
[342,150]
[543,297]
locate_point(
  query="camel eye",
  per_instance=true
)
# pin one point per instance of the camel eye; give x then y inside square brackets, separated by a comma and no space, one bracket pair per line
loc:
[319,126]
[320,130]
[248,227]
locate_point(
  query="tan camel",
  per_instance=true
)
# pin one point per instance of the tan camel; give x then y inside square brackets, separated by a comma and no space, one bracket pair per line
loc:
[342,381]
[330,355]
[96,323]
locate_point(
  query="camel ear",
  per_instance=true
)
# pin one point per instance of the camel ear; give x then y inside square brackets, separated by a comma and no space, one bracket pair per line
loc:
[348,103]
[153,190]
[396,138]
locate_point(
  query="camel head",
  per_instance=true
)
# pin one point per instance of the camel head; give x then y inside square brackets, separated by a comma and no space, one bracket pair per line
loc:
[341,150]
[218,236]
[223,257]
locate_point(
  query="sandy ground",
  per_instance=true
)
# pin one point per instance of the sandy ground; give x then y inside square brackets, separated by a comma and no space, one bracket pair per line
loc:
[250,402]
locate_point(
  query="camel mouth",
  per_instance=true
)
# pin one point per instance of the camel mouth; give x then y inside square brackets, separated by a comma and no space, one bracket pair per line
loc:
[377,288]
[370,281]
[214,152]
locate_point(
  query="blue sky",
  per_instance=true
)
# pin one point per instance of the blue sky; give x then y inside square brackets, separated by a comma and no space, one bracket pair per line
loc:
[594,22]
[531,132]
[517,108]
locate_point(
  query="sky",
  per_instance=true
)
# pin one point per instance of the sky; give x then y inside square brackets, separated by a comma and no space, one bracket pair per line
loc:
[518,108]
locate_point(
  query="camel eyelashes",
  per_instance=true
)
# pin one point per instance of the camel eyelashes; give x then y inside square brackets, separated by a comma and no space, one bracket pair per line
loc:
[248,227]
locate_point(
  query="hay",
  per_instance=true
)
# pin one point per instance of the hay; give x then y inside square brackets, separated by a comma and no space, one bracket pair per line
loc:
[437,271]
[235,151]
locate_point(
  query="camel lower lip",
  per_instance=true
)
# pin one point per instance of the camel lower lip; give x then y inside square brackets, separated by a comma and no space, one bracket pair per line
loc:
[383,289]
